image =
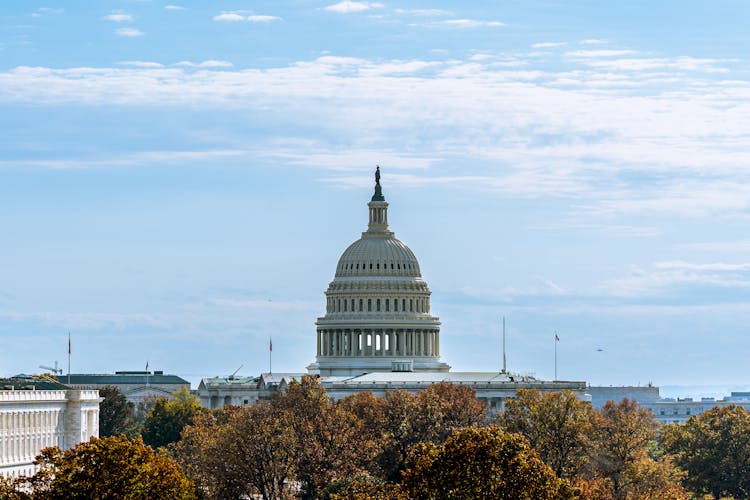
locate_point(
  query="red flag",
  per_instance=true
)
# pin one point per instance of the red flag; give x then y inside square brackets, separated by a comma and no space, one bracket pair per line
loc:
[270,345]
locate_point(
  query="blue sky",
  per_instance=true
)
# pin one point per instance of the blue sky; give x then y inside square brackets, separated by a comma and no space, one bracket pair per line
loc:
[177,180]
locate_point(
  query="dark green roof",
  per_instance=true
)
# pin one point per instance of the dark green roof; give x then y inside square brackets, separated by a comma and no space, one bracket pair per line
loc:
[29,383]
[123,378]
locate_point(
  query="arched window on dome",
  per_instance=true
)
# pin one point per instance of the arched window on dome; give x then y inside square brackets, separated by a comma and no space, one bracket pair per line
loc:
[398,265]
[403,305]
[370,265]
[361,301]
[377,266]
[338,305]
[387,305]
[411,305]
[369,305]
[357,266]
[391,265]
[352,308]
[395,305]
[344,305]
[378,305]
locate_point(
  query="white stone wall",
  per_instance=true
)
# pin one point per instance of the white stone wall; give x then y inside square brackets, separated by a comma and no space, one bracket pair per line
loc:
[33,420]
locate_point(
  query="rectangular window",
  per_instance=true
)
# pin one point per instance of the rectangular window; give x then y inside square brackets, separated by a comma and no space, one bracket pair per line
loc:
[378,304]
[387,305]
[369,305]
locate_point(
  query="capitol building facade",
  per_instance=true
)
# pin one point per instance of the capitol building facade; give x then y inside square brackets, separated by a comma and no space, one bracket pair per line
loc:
[377,307]
[378,332]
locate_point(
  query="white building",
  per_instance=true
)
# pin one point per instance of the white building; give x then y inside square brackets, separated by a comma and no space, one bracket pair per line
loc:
[36,414]
[678,411]
[378,333]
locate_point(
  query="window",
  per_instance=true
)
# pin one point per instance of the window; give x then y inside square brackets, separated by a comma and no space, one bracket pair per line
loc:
[369,305]
[360,305]
[344,305]
[387,305]
[411,305]
[403,304]
[378,304]
[395,305]
[352,309]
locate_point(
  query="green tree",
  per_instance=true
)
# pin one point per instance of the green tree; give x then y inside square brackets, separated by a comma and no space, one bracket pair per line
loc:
[115,413]
[714,449]
[166,419]
[557,425]
[481,462]
[114,467]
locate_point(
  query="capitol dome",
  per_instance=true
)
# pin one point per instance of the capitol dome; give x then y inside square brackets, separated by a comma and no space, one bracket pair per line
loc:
[377,307]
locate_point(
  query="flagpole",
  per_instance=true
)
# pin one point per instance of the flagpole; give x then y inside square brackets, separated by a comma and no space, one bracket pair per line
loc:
[504,361]
[68,357]
[557,339]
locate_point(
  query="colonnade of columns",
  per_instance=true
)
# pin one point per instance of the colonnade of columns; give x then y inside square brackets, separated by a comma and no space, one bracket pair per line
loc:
[24,433]
[378,342]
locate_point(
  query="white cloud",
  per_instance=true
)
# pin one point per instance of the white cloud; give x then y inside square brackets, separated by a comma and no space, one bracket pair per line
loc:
[465,23]
[173,7]
[119,17]
[46,10]
[592,41]
[599,53]
[211,63]
[141,64]
[348,7]
[128,32]
[229,17]
[262,19]
[239,15]
[544,45]
[424,12]
[712,266]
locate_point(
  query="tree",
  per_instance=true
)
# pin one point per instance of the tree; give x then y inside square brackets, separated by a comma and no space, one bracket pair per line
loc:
[110,467]
[115,413]
[714,449]
[444,407]
[481,462]
[166,419]
[620,459]
[246,451]
[557,425]
[332,442]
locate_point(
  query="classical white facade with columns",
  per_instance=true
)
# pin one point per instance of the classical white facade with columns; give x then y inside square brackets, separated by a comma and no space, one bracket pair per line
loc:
[377,307]
[32,419]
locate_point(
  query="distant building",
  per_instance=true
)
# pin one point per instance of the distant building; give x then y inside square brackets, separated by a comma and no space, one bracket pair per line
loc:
[378,333]
[642,394]
[36,414]
[678,411]
[137,386]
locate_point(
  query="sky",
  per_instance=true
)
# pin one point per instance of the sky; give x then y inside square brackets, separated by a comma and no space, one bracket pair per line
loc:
[178,180]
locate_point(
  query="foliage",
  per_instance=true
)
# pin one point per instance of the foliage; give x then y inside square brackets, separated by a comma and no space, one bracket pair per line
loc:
[111,467]
[246,451]
[557,425]
[116,413]
[166,419]
[331,441]
[623,433]
[401,420]
[481,463]
[714,449]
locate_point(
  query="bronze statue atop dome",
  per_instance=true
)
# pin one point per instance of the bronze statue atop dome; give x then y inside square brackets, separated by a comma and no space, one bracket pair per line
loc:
[378,196]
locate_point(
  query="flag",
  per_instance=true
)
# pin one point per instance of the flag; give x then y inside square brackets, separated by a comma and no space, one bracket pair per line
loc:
[557,339]
[146,365]
[270,344]
[68,343]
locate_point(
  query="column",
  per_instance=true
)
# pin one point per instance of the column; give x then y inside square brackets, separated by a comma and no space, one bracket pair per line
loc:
[391,345]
